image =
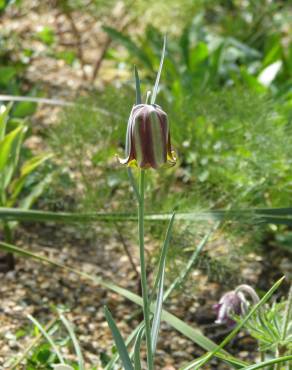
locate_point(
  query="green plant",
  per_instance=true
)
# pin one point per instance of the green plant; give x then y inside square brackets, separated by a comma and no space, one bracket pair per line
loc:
[18,187]
[272,327]
[153,313]
[208,53]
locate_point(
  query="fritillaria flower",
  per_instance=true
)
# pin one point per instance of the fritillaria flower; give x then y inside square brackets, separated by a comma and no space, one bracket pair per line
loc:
[148,138]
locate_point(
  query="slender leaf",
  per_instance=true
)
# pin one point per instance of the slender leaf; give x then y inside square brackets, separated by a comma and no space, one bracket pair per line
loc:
[128,341]
[159,281]
[261,365]
[35,192]
[75,342]
[163,252]
[9,155]
[137,347]
[48,337]
[155,89]
[27,168]
[282,216]
[4,112]
[119,341]
[157,312]
[236,363]
[31,345]
[57,102]
[8,146]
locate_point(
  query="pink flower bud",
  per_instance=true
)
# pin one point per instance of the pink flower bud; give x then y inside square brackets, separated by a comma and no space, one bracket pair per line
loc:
[148,138]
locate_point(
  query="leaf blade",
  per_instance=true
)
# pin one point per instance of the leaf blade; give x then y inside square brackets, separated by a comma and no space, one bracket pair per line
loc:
[119,341]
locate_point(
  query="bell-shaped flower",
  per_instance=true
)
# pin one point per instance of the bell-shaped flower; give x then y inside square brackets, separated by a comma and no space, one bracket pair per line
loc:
[148,138]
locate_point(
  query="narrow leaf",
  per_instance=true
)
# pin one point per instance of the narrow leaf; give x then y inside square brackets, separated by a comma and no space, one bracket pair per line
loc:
[27,168]
[55,102]
[35,192]
[261,365]
[282,216]
[160,282]
[163,252]
[155,89]
[8,147]
[4,112]
[48,337]
[75,342]
[120,344]
[137,347]
[128,341]
[157,312]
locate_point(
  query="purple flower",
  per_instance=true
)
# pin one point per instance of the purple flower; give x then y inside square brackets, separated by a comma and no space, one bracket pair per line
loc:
[148,138]
[235,303]
[231,303]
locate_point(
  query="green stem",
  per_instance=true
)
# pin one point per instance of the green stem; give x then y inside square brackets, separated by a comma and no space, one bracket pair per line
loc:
[146,308]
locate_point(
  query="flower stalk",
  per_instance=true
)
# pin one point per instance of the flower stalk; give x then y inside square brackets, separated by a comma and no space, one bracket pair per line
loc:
[146,307]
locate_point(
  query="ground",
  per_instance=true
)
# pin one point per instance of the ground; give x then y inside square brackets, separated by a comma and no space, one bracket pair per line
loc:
[34,288]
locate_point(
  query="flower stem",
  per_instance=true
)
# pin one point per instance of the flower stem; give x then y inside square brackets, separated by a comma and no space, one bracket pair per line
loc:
[146,308]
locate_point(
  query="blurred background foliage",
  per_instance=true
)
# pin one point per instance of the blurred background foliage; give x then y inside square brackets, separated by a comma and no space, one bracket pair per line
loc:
[226,86]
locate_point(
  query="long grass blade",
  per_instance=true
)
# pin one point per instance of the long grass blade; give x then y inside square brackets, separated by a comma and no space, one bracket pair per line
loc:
[54,102]
[48,338]
[259,216]
[75,342]
[159,281]
[31,345]
[128,341]
[155,89]
[163,252]
[261,365]
[119,341]
[137,347]
[157,312]
[4,115]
